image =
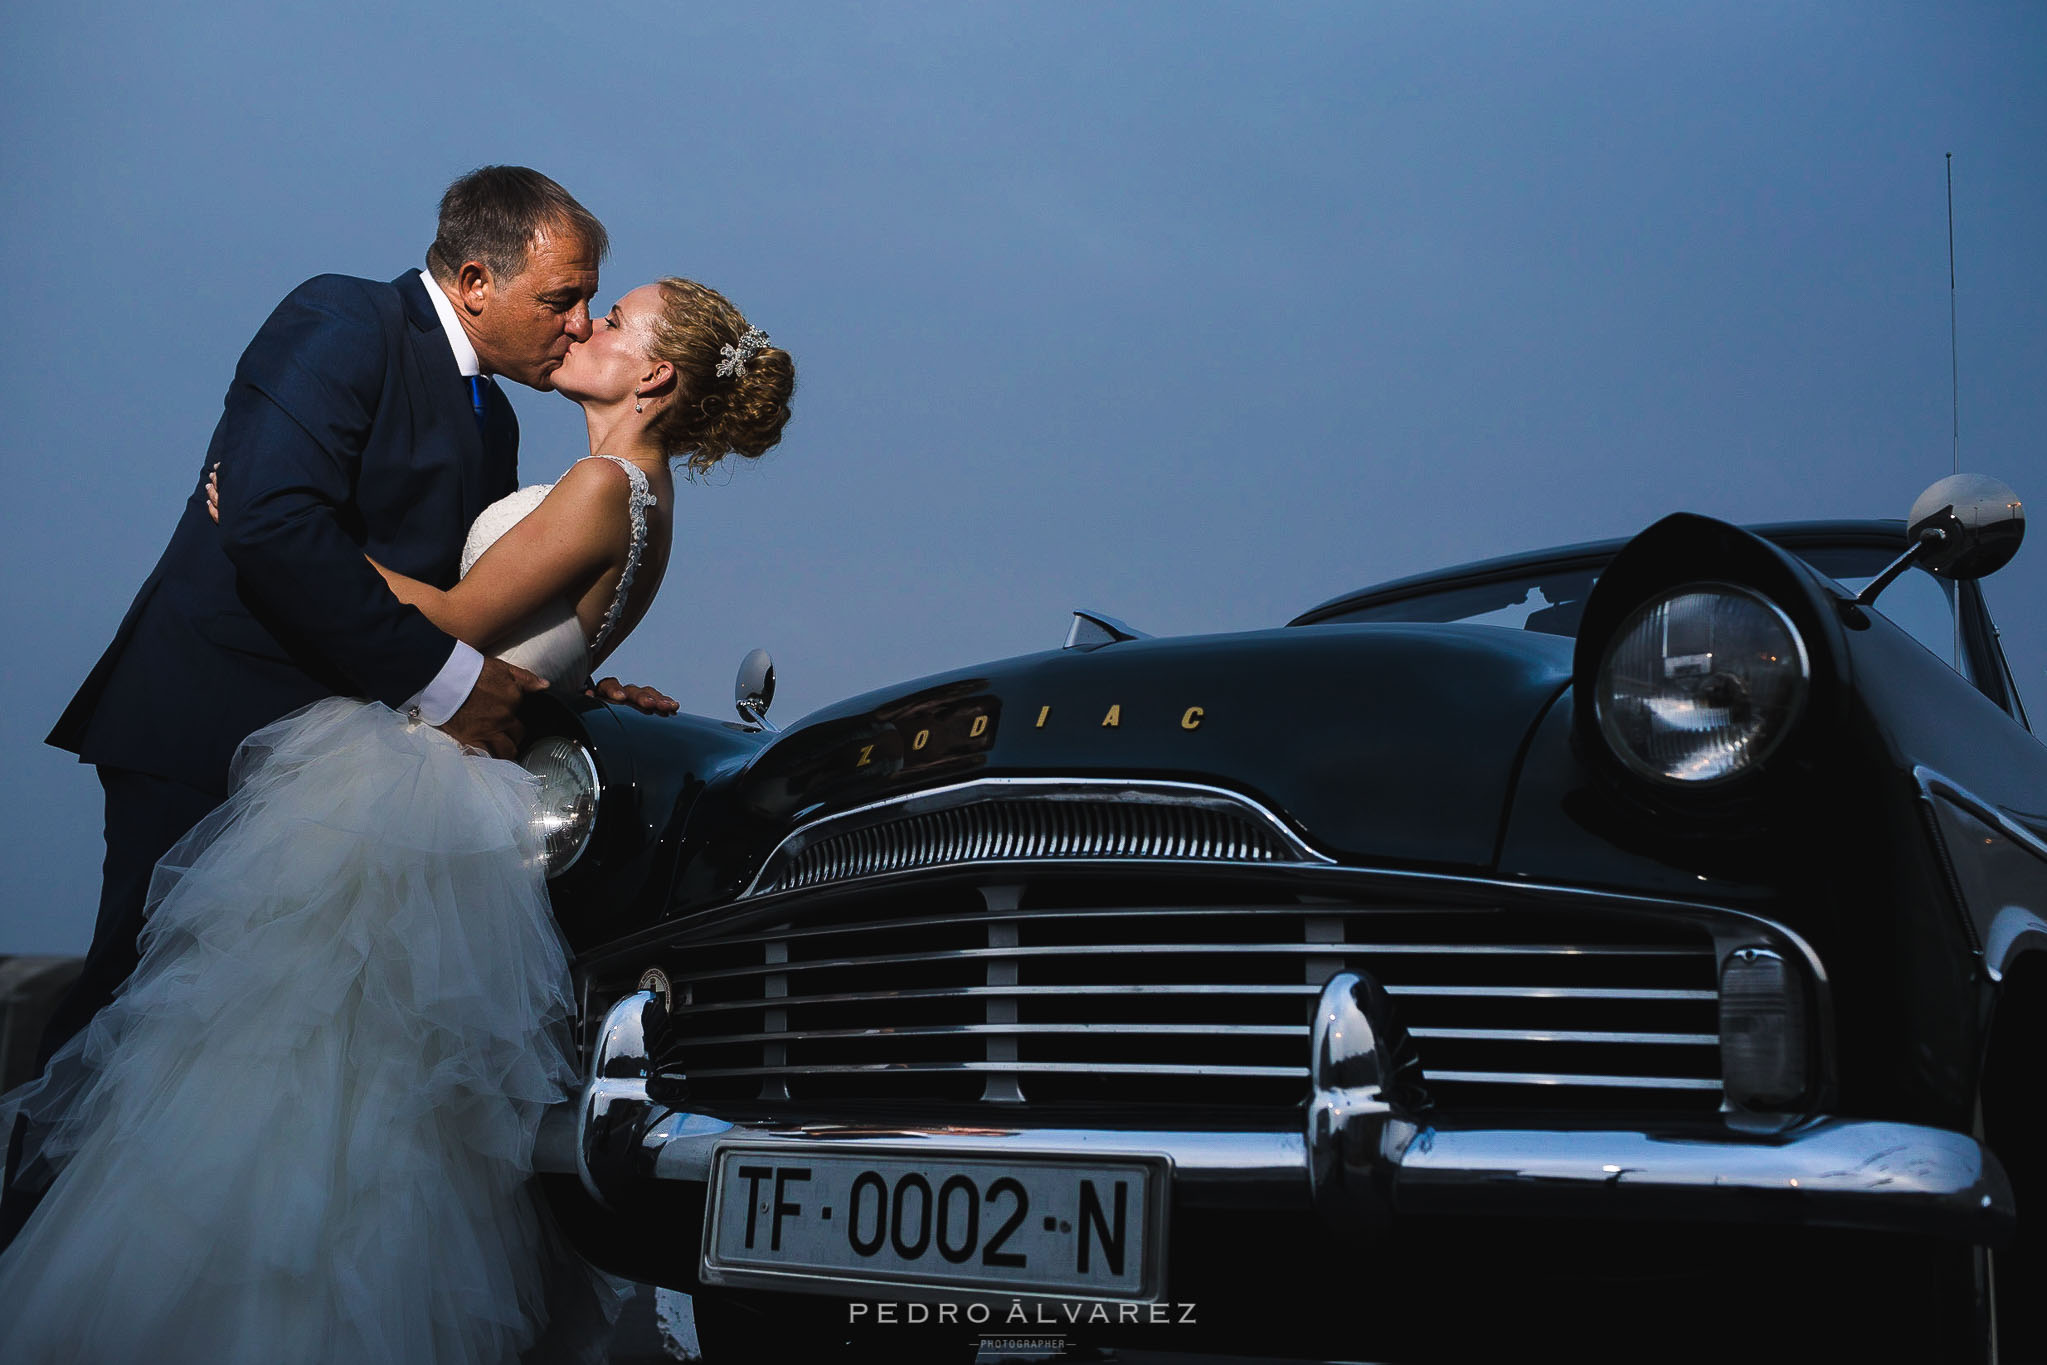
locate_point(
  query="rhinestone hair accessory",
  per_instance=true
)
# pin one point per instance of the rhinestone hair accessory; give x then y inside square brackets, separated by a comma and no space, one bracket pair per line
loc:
[735,357]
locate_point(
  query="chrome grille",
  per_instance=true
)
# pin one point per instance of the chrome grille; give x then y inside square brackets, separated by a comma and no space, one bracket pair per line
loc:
[1017,819]
[1020,994]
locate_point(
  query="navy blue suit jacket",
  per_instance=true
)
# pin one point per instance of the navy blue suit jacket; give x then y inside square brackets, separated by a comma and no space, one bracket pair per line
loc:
[347,431]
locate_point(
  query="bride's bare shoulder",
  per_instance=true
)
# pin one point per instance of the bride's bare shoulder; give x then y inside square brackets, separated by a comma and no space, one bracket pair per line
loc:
[597,475]
[594,493]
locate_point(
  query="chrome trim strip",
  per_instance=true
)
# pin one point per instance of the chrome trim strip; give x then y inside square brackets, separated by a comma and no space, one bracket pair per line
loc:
[1508,1035]
[1561,992]
[958,992]
[1062,1068]
[961,794]
[928,1030]
[1177,912]
[1206,988]
[2012,929]
[1932,783]
[1559,1078]
[1203,949]
[1515,1035]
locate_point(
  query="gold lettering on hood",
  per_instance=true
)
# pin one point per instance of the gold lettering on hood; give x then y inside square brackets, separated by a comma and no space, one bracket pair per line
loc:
[1191,718]
[1115,716]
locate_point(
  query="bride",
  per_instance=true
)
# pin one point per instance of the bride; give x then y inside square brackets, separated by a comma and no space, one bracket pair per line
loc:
[303,1129]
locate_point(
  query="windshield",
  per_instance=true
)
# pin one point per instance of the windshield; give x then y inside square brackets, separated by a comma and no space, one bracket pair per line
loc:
[1548,600]
[1551,600]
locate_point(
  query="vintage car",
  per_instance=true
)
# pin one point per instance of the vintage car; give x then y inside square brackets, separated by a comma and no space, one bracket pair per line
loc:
[1638,937]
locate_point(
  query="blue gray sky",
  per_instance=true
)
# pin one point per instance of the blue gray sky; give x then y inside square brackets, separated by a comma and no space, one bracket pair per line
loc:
[1194,313]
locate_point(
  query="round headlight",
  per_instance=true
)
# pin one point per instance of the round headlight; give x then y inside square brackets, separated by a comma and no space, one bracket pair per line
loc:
[565,805]
[1701,684]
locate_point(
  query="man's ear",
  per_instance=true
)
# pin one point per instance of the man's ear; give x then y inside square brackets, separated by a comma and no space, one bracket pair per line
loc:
[473,285]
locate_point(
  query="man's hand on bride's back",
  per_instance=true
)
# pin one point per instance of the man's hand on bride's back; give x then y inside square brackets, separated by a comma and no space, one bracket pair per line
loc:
[489,720]
[495,726]
[650,700]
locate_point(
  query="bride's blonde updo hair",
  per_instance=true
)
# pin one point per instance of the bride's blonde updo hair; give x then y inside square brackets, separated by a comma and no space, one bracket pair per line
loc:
[713,415]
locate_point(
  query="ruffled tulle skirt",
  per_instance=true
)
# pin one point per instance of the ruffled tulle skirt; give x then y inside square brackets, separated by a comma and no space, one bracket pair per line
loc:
[303,1130]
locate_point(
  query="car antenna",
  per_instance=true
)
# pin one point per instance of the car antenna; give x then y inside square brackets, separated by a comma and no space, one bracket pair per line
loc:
[1954,371]
[1954,363]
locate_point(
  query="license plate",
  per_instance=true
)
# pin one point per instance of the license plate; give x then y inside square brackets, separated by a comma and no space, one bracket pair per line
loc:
[1016,1224]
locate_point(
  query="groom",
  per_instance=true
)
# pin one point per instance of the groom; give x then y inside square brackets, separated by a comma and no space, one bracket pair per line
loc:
[362,420]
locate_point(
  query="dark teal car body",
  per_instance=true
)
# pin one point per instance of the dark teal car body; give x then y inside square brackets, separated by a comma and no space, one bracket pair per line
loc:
[1363,936]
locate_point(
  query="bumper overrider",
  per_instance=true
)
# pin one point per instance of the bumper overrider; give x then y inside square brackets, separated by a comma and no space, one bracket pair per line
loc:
[1363,1160]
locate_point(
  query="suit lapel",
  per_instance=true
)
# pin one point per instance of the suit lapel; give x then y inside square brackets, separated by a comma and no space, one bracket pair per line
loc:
[448,391]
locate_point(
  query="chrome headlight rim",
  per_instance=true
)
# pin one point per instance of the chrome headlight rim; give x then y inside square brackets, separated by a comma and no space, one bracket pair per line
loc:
[1801,690]
[584,762]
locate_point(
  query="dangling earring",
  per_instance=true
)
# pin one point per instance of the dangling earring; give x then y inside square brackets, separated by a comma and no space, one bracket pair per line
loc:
[639,407]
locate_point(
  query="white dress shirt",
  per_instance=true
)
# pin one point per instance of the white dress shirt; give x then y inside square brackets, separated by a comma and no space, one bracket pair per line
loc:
[439,700]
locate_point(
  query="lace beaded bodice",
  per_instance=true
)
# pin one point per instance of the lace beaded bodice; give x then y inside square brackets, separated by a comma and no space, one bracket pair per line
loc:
[550,642]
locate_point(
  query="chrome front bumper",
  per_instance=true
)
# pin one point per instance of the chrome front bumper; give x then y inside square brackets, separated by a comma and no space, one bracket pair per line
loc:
[1359,1161]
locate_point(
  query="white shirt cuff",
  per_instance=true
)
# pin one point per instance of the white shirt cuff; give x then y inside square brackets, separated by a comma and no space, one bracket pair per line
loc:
[440,699]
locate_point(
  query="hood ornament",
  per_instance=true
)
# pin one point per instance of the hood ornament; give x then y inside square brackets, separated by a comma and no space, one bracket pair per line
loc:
[1091,630]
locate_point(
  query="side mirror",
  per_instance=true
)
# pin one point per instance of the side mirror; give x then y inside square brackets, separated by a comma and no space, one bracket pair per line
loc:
[1965,526]
[754,691]
[1979,522]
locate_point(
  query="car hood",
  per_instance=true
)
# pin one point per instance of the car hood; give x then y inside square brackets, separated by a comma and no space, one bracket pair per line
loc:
[1388,743]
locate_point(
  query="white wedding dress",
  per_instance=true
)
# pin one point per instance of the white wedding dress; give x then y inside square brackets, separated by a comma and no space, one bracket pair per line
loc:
[303,1130]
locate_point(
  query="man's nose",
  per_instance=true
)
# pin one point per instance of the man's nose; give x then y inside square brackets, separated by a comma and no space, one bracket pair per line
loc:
[579,322]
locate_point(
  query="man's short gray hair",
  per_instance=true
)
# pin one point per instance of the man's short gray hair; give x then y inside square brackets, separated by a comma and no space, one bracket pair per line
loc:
[493,214]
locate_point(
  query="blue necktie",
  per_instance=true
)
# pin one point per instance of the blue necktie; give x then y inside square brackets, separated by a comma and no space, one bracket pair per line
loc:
[476,383]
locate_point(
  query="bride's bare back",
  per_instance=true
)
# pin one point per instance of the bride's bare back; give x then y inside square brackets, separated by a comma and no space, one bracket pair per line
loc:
[554,578]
